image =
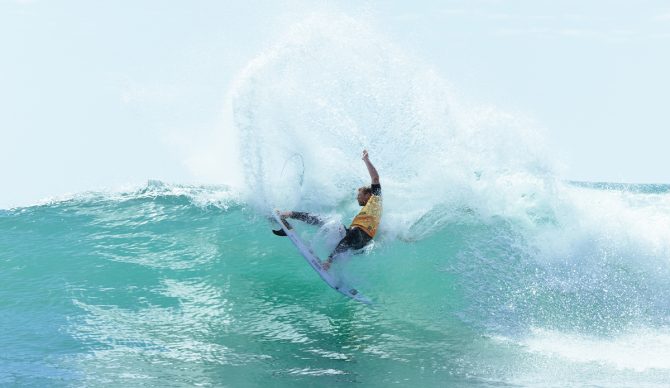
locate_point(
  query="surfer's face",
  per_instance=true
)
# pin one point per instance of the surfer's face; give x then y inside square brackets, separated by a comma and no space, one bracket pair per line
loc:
[362,196]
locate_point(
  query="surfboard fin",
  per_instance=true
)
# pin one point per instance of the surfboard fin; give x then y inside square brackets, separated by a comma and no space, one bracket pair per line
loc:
[279,232]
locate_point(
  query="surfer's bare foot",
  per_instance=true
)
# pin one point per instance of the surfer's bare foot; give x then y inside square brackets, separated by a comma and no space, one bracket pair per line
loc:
[326,264]
[285,214]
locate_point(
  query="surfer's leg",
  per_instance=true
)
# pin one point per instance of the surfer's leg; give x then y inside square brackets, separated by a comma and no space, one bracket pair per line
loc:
[354,239]
[342,246]
[307,218]
[359,239]
[300,216]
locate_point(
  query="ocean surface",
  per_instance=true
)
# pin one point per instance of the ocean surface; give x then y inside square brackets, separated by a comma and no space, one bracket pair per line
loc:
[489,268]
[183,286]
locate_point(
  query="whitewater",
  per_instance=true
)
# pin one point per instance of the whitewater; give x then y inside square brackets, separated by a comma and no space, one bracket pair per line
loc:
[489,268]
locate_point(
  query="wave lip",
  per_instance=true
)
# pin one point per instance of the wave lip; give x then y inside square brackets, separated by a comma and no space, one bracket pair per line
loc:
[199,195]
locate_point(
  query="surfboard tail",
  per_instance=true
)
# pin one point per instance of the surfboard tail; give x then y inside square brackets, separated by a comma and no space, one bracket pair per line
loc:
[279,232]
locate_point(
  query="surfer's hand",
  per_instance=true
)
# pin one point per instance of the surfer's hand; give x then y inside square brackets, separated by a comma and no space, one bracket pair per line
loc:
[365,155]
[288,214]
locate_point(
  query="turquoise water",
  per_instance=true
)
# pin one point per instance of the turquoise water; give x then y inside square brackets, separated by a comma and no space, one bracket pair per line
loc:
[181,285]
[488,269]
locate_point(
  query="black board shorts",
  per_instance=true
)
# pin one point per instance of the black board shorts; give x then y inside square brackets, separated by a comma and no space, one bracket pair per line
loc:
[355,239]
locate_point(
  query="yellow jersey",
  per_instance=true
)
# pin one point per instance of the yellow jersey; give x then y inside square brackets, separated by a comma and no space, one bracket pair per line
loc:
[369,217]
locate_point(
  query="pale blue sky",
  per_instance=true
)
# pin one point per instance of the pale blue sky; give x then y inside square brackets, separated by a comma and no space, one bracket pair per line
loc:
[101,94]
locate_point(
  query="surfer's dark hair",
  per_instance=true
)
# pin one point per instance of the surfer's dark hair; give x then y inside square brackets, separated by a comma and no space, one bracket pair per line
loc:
[366,189]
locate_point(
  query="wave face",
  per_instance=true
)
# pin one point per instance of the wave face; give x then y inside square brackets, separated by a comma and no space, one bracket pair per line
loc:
[487,269]
[186,285]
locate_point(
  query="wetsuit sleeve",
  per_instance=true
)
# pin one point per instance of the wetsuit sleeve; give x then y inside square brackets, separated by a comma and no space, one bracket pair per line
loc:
[376,189]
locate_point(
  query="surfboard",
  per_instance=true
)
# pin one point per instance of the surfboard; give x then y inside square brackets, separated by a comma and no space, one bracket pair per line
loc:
[336,284]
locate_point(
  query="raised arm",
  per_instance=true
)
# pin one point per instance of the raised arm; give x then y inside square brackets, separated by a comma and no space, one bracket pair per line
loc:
[371,169]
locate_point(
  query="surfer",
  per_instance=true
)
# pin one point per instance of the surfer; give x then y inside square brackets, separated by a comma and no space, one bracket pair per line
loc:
[363,227]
